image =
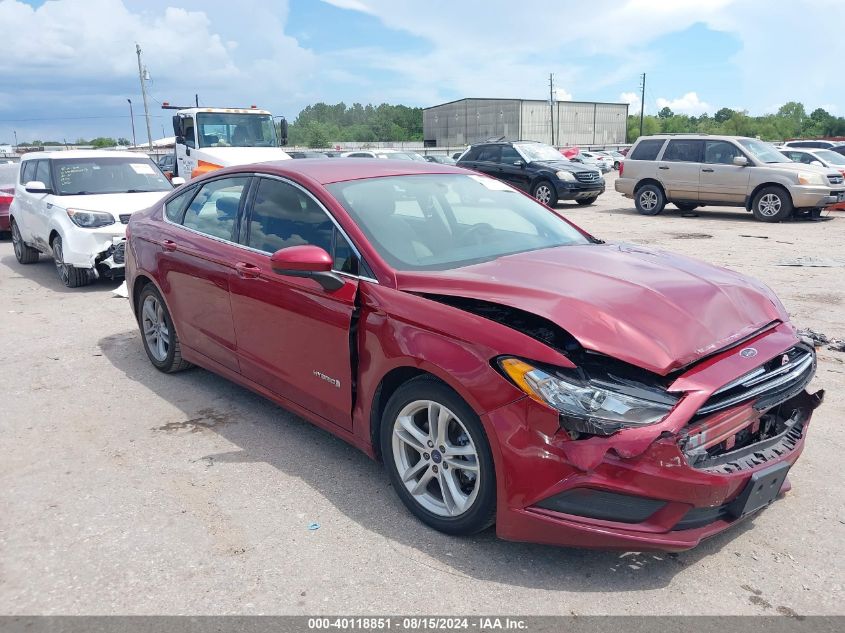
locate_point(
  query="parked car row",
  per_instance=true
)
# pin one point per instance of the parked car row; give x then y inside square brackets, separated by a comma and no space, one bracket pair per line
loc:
[693,170]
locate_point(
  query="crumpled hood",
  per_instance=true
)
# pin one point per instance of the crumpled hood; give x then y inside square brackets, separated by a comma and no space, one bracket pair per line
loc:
[653,309]
[228,156]
[114,203]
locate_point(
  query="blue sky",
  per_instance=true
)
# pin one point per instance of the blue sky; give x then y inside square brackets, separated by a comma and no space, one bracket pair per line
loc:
[68,66]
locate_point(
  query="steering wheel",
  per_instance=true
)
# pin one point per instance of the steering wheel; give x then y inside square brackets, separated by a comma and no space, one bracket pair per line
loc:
[476,233]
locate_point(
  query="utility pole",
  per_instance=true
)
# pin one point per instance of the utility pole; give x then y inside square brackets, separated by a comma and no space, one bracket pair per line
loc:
[642,104]
[141,73]
[16,141]
[132,118]
[552,105]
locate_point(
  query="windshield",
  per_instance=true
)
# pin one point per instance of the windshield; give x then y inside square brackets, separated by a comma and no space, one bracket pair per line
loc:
[445,221]
[830,157]
[765,152]
[538,151]
[227,129]
[84,176]
[402,156]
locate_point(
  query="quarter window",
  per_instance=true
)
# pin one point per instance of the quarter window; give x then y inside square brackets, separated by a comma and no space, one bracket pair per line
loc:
[683,151]
[173,209]
[27,171]
[283,216]
[647,150]
[214,211]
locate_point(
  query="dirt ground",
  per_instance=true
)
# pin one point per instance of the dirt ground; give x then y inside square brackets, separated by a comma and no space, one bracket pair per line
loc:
[123,490]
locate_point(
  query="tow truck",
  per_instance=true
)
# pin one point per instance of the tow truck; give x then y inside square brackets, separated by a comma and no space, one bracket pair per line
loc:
[213,138]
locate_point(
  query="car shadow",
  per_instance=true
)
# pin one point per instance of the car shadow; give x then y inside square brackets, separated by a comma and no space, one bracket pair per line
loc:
[734,214]
[43,272]
[357,486]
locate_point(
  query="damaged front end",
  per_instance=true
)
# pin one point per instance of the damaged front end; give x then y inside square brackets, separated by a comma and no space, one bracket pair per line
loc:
[110,263]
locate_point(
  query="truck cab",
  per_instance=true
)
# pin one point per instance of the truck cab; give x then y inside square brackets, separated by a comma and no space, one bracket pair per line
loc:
[213,138]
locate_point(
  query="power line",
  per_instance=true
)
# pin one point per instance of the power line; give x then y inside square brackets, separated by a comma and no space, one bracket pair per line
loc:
[77,118]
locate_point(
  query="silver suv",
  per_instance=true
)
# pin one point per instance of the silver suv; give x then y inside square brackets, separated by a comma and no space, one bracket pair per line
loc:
[692,170]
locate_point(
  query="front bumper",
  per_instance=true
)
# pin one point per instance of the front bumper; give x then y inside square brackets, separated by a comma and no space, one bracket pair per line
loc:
[87,248]
[804,196]
[636,492]
[568,190]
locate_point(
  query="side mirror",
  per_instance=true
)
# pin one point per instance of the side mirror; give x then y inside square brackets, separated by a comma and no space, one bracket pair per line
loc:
[308,261]
[740,161]
[518,163]
[283,132]
[36,186]
[177,180]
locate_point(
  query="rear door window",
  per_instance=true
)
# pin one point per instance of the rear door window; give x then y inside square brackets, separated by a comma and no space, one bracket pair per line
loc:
[684,151]
[214,211]
[647,150]
[489,154]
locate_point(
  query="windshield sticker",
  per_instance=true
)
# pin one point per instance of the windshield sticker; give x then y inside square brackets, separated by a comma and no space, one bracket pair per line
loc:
[142,168]
[492,184]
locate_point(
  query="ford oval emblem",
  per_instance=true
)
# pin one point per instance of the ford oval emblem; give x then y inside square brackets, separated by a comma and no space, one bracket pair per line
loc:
[748,352]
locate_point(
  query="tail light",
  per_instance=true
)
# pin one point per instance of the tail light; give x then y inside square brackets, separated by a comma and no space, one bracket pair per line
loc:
[5,199]
[621,167]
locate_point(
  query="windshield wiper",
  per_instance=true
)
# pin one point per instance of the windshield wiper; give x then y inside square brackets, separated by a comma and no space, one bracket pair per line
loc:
[143,190]
[77,193]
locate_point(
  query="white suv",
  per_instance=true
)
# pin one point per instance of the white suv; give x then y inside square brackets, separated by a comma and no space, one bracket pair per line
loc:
[75,205]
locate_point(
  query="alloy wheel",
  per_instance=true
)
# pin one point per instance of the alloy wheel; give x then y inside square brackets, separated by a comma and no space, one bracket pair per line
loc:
[769,205]
[154,326]
[436,458]
[543,194]
[17,241]
[648,200]
[59,259]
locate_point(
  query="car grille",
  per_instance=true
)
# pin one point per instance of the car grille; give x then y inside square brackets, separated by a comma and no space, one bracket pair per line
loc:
[588,176]
[772,383]
[119,254]
[124,217]
[835,179]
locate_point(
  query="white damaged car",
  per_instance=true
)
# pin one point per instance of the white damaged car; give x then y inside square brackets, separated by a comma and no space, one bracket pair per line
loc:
[74,206]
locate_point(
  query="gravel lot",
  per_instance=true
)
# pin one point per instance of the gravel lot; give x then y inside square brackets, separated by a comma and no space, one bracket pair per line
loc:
[128,491]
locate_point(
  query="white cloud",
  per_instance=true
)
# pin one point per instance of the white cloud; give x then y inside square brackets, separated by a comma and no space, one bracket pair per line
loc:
[562,95]
[633,101]
[687,104]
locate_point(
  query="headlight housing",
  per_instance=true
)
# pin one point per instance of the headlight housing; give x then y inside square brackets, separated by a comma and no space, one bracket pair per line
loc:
[597,406]
[811,178]
[568,176]
[90,219]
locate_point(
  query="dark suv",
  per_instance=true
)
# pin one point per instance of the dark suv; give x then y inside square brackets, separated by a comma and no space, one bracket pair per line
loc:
[537,168]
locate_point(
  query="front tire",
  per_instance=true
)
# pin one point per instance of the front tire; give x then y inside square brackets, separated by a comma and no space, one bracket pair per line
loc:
[772,204]
[649,200]
[158,333]
[23,253]
[438,457]
[545,192]
[70,276]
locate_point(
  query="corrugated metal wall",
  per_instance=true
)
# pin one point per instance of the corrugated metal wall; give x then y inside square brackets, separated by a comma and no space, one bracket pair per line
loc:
[474,120]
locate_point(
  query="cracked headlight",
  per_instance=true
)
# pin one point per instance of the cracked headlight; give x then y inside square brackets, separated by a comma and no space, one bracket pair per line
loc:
[565,175]
[90,219]
[589,405]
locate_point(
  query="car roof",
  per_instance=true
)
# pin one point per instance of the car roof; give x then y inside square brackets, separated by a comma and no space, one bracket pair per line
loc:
[83,153]
[328,171]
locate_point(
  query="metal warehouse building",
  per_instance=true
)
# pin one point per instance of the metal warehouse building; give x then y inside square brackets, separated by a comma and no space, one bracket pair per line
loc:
[468,121]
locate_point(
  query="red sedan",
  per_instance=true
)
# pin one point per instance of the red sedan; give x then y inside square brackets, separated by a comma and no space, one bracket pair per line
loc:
[505,365]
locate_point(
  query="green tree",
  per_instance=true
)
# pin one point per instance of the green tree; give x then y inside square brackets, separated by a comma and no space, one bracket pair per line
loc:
[723,115]
[316,135]
[665,113]
[103,141]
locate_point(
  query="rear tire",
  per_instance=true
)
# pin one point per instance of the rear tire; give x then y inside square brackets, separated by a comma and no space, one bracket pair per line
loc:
[545,192]
[70,276]
[649,200]
[586,201]
[23,253]
[772,204]
[161,342]
[457,459]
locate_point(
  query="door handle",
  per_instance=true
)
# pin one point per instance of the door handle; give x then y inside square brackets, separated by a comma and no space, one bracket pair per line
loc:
[707,169]
[663,167]
[247,271]
[169,245]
